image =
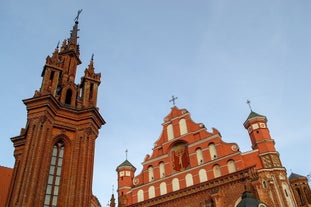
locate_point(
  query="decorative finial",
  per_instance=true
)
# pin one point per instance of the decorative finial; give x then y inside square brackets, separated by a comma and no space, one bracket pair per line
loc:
[77,17]
[112,189]
[173,100]
[126,153]
[57,45]
[249,105]
[92,58]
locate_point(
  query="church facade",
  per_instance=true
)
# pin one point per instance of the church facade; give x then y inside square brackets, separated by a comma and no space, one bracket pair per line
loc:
[190,166]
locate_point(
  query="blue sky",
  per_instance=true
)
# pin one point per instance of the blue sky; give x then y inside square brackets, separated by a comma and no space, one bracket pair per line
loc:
[212,55]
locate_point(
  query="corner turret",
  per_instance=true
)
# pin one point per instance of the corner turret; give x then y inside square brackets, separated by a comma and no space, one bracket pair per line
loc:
[126,173]
[258,131]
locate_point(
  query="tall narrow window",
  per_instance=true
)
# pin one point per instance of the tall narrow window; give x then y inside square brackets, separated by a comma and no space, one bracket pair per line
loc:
[163,189]
[150,173]
[202,175]
[162,169]
[68,97]
[52,75]
[189,179]
[151,192]
[140,195]
[91,91]
[231,166]
[212,150]
[175,184]
[170,132]
[183,126]
[217,171]
[51,194]
[199,156]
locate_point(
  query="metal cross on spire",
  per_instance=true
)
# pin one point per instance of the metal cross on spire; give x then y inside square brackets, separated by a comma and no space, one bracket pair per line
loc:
[77,17]
[249,104]
[173,99]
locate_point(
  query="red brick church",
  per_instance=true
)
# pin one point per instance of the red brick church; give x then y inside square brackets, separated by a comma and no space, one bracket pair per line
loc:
[189,166]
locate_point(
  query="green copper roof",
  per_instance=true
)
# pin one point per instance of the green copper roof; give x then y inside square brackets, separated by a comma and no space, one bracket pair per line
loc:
[126,163]
[254,114]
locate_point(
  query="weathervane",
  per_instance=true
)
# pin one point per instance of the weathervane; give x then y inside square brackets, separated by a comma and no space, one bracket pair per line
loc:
[77,17]
[173,99]
[249,104]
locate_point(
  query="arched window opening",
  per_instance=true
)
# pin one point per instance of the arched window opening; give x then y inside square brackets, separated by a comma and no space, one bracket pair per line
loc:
[162,169]
[217,171]
[170,132]
[91,91]
[287,195]
[52,189]
[175,184]
[52,75]
[183,126]
[202,175]
[302,201]
[212,150]
[163,189]
[189,180]
[151,192]
[199,156]
[140,195]
[68,97]
[231,166]
[150,173]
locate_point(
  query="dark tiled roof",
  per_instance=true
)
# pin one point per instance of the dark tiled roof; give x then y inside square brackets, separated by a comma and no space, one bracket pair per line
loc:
[295,176]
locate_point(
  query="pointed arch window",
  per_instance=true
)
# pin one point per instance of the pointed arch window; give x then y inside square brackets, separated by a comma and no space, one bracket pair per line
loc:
[52,189]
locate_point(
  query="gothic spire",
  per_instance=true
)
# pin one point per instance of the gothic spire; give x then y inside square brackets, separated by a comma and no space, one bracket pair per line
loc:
[72,42]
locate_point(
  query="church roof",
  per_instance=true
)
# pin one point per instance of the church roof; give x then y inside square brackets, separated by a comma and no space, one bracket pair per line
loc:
[254,114]
[295,176]
[126,163]
[248,200]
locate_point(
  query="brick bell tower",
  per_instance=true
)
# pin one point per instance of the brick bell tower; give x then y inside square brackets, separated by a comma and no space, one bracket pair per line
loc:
[272,174]
[54,153]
